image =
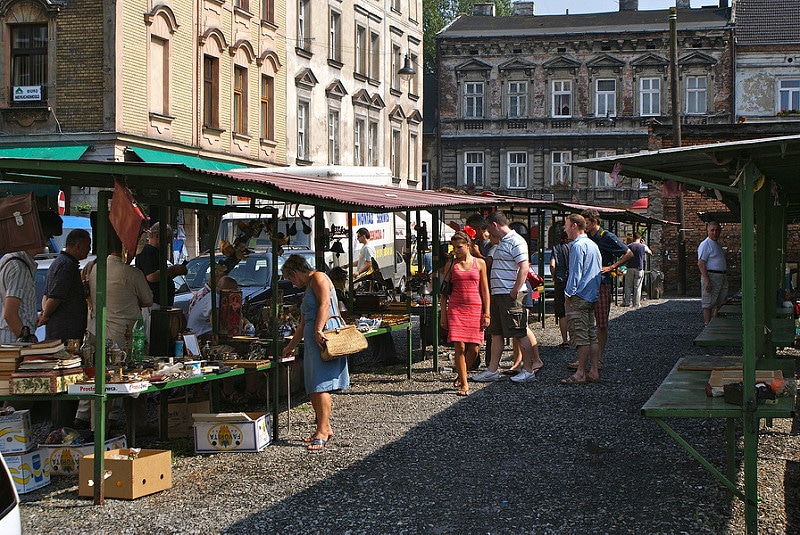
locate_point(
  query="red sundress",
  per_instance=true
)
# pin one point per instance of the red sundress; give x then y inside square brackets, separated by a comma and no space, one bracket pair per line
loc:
[465,306]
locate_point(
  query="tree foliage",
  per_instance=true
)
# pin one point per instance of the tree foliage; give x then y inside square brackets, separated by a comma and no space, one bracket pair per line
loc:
[436,14]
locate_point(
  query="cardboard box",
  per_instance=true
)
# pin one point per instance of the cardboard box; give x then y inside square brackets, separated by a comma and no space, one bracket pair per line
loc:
[179,417]
[52,382]
[15,432]
[233,431]
[128,479]
[65,459]
[30,471]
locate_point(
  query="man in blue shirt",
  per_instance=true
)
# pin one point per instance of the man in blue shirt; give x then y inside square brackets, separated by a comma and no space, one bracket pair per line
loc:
[581,293]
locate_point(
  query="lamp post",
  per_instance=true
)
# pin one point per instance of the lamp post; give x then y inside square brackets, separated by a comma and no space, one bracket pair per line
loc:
[407,72]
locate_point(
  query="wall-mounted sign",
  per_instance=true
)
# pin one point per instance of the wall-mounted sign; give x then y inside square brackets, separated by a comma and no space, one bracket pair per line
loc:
[27,92]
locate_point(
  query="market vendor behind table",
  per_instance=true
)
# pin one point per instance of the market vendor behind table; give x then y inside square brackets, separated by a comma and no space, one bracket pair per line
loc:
[64,302]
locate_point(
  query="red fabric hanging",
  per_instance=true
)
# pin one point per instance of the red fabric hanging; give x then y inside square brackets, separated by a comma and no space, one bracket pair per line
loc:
[126,217]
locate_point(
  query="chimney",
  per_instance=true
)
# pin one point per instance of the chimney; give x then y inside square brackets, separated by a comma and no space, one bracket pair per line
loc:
[629,5]
[683,4]
[523,9]
[483,10]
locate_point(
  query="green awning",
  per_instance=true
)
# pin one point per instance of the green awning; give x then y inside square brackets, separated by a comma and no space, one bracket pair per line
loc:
[65,152]
[193,162]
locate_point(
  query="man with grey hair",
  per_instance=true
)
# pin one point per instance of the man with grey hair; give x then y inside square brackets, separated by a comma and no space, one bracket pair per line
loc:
[712,265]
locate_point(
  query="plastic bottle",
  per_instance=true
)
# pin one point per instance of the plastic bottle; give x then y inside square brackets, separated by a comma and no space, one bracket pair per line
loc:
[138,336]
[179,346]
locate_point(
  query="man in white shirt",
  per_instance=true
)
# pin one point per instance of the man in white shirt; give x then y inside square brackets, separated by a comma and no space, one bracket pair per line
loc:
[712,265]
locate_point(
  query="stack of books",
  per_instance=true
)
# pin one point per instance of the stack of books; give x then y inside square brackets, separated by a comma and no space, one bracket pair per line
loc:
[47,356]
[9,360]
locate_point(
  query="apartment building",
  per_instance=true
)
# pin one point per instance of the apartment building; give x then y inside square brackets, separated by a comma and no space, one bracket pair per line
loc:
[523,96]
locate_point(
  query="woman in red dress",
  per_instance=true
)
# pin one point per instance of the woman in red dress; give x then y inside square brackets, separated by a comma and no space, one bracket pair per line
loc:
[465,312]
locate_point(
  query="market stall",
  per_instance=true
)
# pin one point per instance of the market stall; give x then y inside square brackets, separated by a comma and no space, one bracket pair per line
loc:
[758,181]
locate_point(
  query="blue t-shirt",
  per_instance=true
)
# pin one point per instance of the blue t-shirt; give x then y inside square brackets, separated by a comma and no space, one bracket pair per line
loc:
[610,247]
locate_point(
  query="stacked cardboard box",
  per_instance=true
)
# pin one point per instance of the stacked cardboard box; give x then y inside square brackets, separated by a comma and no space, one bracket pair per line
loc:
[9,359]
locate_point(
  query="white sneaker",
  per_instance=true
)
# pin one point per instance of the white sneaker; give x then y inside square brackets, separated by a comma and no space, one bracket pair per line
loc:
[524,376]
[486,377]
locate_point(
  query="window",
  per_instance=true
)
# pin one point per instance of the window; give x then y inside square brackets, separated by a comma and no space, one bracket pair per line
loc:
[304,24]
[373,147]
[361,50]
[333,137]
[242,4]
[517,99]
[396,6]
[358,142]
[210,92]
[695,94]
[397,154]
[473,169]
[239,100]
[789,95]
[414,82]
[302,131]
[335,38]
[396,63]
[426,166]
[517,170]
[375,53]
[602,179]
[412,157]
[158,75]
[267,111]
[29,57]
[562,98]
[650,96]
[560,169]
[268,10]
[473,100]
[606,105]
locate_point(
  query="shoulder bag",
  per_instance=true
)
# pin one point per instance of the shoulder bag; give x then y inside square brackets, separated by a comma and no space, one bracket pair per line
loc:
[342,341]
[20,229]
[446,288]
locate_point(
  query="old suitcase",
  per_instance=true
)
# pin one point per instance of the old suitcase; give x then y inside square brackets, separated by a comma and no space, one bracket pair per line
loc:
[20,228]
[49,382]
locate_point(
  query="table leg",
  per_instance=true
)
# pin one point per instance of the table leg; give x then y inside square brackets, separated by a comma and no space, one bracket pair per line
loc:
[288,399]
[730,439]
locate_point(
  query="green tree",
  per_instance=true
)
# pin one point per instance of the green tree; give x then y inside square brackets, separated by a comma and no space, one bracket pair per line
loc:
[436,14]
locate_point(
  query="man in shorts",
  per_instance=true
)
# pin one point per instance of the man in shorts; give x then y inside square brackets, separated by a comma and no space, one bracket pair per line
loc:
[712,265]
[582,291]
[614,253]
[508,318]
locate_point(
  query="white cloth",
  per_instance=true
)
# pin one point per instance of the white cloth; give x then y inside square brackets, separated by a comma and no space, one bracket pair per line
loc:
[711,252]
[199,320]
[365,256]
[127,293]
[17,280]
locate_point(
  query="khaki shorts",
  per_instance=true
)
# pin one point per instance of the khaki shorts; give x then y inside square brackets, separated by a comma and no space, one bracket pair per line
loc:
[508,317]
[580,322]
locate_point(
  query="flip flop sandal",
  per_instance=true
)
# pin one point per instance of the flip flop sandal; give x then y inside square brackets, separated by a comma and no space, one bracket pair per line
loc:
[312,438]
[571,380]
[462,393]
[316,446]
[564,345]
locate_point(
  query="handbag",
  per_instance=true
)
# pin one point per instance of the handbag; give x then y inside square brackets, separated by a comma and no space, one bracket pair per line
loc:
[20,229]
[534,278]
[342,341]
[446,287]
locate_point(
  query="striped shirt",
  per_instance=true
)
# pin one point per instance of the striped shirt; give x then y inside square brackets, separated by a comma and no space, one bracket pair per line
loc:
[511,250]
[16,280]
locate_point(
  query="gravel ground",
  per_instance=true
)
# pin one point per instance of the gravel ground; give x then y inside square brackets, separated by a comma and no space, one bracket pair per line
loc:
[411,457]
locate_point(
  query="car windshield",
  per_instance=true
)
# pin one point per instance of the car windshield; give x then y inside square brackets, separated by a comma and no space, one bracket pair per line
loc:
[254,271]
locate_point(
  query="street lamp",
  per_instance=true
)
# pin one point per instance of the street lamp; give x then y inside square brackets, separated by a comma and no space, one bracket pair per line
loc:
[407,72]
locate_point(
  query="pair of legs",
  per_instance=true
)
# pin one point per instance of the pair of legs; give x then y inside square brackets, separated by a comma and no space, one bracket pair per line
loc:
[465,355]
[510,320]
[634,278]
[536,362]
[321,403]
[602,309]
[584,334]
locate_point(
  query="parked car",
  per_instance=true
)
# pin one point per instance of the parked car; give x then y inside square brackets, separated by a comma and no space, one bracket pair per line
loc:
[10,522]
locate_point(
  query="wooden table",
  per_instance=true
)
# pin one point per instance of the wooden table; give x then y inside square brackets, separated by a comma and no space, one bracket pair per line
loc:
[682,395]
[727,331]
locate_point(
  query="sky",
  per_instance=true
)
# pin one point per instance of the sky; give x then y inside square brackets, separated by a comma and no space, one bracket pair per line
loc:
[558,7]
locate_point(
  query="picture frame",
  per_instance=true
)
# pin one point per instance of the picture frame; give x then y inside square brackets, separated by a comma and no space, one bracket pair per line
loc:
[192,344]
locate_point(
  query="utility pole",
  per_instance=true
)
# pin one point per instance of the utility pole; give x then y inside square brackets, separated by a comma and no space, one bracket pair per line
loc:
[676,140]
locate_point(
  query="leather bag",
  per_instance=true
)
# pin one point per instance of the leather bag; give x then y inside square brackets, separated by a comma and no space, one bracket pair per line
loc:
[446,287]
[342,341]
[20,228]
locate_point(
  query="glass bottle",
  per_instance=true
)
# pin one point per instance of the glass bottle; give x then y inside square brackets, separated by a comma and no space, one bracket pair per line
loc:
[138,340]
[87,351]
[179,346]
